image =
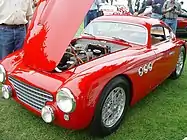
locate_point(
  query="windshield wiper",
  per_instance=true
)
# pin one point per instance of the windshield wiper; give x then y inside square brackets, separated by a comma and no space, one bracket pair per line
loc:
[119,39]
[89,34]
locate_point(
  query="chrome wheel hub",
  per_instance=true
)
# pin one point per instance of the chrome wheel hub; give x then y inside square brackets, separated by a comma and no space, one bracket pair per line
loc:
[113,107]
[180,63]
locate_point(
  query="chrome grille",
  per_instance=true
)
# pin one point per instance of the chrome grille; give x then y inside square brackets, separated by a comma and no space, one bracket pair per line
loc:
[30,95]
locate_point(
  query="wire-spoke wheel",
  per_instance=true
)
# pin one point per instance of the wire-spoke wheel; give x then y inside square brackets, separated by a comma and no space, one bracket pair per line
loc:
[111,108]
[180,64]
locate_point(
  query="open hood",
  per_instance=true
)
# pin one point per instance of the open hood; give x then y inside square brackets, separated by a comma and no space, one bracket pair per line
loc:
[52,28]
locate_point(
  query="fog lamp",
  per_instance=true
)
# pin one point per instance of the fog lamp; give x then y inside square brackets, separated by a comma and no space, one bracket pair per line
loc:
[47,114]
[6,91]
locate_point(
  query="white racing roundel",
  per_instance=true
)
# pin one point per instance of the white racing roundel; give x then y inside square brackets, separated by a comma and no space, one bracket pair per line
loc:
[145,69]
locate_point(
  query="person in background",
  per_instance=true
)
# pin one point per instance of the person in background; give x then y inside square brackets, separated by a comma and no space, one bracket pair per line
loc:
[143,7]
[171,10]
[130,7]
[181,3]
[14,16]
[140,6]
[36,2]
[147,11]
[182,12]
[157,8]
[93,12]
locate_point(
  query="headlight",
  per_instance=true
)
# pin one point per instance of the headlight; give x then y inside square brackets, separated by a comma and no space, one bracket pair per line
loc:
[2,74]
[65,100]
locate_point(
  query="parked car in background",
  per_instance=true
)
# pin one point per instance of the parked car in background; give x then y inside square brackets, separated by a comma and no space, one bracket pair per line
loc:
[89,81]
[182,24]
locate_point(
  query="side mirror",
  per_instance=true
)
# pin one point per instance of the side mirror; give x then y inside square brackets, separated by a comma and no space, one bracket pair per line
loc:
[173,36]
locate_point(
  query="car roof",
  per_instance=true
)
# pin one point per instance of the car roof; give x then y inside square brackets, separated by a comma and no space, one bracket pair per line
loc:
[142,20]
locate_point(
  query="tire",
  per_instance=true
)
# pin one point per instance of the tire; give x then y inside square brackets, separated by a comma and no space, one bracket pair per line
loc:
[99,127]
[180,64]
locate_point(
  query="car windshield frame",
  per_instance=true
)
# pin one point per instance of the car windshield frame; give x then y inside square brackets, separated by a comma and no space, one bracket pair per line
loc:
[127,23]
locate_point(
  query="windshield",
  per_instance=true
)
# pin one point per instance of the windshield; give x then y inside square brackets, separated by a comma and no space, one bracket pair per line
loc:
[126,31]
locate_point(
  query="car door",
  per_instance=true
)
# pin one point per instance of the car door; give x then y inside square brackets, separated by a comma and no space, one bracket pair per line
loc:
[166,53]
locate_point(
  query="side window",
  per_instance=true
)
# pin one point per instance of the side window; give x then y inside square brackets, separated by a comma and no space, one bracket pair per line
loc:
[157,34]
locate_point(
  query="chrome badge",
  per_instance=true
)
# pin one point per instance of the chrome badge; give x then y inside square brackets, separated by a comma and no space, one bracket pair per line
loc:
[31,72]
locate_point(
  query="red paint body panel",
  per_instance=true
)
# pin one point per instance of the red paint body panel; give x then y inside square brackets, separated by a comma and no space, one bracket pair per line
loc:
[34,63]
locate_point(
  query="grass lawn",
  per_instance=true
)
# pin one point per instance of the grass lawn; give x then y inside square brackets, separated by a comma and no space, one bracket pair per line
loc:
[162,115]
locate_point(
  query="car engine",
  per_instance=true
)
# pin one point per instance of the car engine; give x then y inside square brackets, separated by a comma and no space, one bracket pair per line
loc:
[78,54]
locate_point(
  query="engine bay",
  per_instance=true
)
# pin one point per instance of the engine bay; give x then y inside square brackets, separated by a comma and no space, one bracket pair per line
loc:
[84,50]
[79,53]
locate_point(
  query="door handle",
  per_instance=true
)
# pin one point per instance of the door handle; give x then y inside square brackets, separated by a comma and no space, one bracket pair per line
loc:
[172,52]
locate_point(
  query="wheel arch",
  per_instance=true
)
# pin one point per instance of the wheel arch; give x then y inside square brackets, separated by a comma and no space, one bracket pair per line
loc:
[126,77]
[122,76]
[185,47]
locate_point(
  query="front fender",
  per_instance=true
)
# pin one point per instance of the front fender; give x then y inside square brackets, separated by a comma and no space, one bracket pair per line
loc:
[88,85]
[12,61]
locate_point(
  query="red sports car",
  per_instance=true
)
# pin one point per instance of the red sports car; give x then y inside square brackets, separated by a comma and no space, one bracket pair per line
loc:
[89,81]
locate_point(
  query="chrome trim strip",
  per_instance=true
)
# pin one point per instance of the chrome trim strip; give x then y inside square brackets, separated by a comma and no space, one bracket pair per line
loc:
[30,103]
[24,85]
[34,97]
